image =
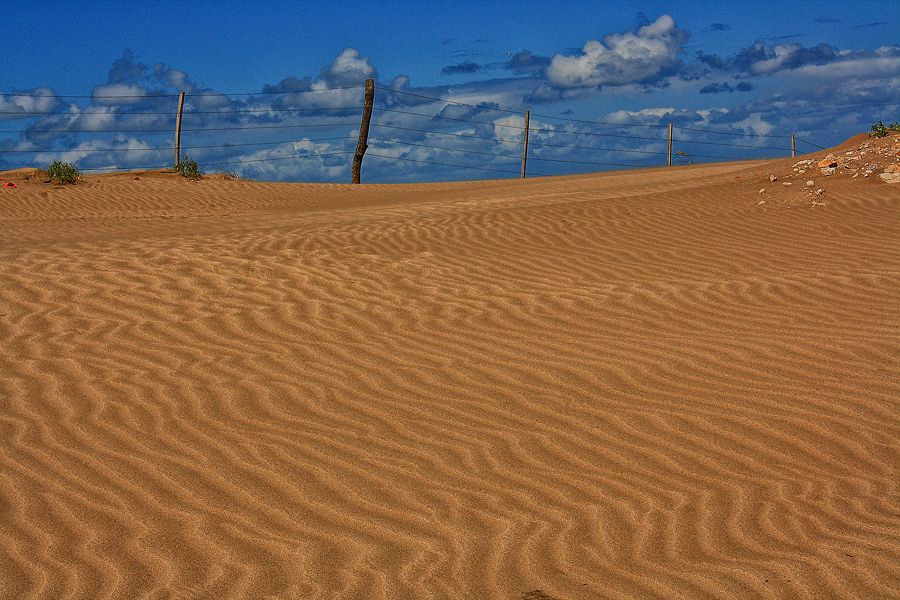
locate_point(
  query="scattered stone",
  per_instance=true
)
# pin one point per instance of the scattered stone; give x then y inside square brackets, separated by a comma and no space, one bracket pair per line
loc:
[760,202]
[890,177]
[772,178]
[826,163]
[892,169]
[762,190]
[828,171]
[810,182]
[786,183]
[819,192]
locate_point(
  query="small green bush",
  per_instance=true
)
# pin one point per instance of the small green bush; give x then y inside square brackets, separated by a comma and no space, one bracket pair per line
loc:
[188,167]
[228,174]
[63,172]
[879,130]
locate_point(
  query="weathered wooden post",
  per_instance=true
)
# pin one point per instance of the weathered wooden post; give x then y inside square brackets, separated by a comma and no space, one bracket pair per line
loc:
[525,143]
[669,159]
[793,146]
[178,129]
[362,143]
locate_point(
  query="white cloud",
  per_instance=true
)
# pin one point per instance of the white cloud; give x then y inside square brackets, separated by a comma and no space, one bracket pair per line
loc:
[119,152]
[645,115]
[133,93]
[621,58]
[95,121]
[40,100]
[347,68]
[879,67]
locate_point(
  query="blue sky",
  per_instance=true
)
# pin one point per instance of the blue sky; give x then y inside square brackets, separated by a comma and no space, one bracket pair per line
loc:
[723,72]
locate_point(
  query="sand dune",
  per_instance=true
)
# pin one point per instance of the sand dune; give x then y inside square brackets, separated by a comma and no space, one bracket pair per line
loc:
[627,385]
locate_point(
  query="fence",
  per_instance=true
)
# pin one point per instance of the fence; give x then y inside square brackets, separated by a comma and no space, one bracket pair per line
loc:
[391,128]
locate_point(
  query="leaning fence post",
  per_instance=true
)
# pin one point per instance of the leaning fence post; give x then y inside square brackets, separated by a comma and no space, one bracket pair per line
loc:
[362,144]
[793,146]
[669,152]
[178,129]
[525,143]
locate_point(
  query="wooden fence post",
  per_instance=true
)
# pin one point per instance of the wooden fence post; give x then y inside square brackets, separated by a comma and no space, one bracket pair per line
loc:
[669,152]
[793,146]
[363,143]
[178,129]
[525,143]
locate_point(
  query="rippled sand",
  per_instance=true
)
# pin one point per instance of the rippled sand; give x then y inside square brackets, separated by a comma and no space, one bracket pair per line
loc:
[628,385]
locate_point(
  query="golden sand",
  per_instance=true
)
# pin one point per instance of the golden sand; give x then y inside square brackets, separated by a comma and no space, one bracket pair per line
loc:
[640,384]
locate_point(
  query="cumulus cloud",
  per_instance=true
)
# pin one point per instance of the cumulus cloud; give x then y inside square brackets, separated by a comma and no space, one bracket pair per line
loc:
[106,154]
[761,59]
[631,57]
[348,68]
[40,100]
[131,77]
[113,94]
[126,69]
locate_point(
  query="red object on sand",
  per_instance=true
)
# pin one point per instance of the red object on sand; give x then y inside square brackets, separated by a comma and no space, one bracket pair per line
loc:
[9,184]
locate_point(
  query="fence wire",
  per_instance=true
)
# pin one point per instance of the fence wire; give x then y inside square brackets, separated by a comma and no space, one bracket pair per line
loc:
[397,132]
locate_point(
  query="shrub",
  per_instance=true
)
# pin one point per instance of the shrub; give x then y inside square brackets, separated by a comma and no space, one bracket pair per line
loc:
[63,172]
[895,126]
[188,167]
[878,130]
[226,174]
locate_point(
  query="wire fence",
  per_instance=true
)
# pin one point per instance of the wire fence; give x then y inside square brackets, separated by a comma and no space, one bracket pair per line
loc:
[406,128]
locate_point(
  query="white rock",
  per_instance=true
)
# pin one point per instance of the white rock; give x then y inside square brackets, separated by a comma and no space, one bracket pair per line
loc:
[810,182]
[772,178]
[828,171]
[890,177]
[762,190]
[786,183]
[819,192]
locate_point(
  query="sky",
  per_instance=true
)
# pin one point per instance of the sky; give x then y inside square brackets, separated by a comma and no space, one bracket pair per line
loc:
[274,89]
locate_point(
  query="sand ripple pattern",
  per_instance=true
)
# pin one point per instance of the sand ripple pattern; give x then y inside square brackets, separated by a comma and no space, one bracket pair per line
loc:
[631,385]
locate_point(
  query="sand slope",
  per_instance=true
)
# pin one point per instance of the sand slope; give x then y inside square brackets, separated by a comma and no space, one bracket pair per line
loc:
[628,385]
